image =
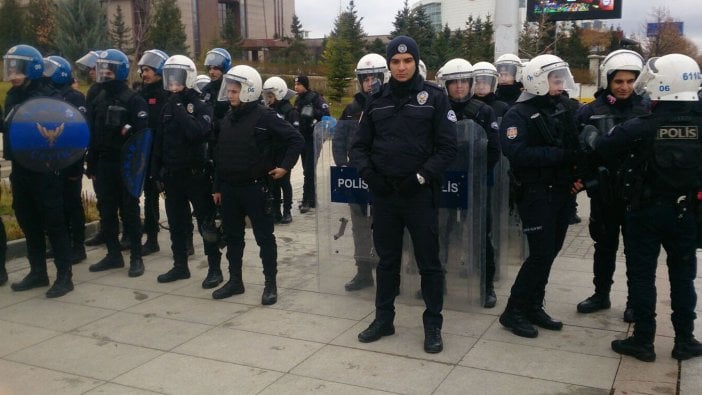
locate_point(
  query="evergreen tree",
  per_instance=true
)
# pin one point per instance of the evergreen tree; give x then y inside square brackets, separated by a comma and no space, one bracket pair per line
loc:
[40,25]
[296,52]
[376,46]
[571,47]
[442,46]
[231,35]
[422,31]
[167,31]
[120,33]
[81,25]
[343,49]
[348,27]
[11,25]
[402,22]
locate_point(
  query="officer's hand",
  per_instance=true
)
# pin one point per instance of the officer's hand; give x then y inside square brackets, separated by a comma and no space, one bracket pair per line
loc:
[376,183]
[277,173]
[217,198]
[409,186]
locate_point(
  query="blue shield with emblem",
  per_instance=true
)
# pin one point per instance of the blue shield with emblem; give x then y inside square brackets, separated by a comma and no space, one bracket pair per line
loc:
[136,153]
[47,134]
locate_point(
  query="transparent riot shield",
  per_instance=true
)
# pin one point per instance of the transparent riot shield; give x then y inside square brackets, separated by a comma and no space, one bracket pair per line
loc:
[344,241]
[462,228]
[498,201]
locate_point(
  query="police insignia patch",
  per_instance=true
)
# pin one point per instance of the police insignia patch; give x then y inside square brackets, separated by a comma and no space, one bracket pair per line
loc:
[512,132]
[422,97]
[494,125]
[142,114]
[402,48]
[451,116]
[190,108]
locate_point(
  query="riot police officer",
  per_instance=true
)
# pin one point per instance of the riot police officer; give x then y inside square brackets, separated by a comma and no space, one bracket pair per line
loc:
[312,108]
[406,139]
[615,102]
[116,113]
[484,87]
[179,161]
[371,74]
[508,88]
[152,90]
[539,137]
[244,165]
[60,79]
[277,96]
[217,61]
[38,197]
[661,186]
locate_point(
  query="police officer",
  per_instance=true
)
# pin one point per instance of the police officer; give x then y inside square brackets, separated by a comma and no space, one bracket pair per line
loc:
[406,139]
[484,87]
[116,113]
[614,103]
[663,178]
[179,161]
[457,79]
[539,137]
[277,96]
[508,88]
[312,108]
[217,61]
[38,197]
[151,69]
[60,80]
[371,74]
[244,164]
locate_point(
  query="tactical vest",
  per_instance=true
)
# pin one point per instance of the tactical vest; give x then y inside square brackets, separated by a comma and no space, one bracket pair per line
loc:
[471,110]
[110,115]
[676,154]
[239,159]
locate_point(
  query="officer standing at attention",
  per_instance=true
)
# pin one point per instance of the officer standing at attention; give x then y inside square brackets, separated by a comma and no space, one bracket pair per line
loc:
[539,137]
[38,197]
[508,88]
[117,113]
[217,61]
[60,80]
[617,101]
[661,186]
[179,160]
[484,87]
[371,74]
[312,108]
[152,90]
[245,164]
[277,96]
[406,139]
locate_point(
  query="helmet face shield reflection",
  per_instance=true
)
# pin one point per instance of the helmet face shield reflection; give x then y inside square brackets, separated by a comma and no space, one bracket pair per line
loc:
[507,73]
[647,74]
[370,82]
[14,68]
[174,79]
[484,84]
[106,71]
[228,83]
[560,79]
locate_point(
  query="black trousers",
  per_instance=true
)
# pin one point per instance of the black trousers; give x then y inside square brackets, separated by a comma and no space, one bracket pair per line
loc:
[283,193]
[545,212]
[151,209]
[606,222]
[183,188]
[39,208]
[73,209]
[417,213]
[238,202]
[114,197]
[308,154]
[649,228]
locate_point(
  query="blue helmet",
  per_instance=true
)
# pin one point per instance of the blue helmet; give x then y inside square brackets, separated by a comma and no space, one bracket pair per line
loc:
[219,57]
[58,69]
[112,64]
[23,61]
[154,58]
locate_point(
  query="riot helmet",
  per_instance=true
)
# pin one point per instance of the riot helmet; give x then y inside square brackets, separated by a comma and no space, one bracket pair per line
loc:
[248,81]
[179,72]
[422,69]
[484,79]
[112,64]
[673,77]
[153,58]
[22,61]
[374,69]
[274,89]
[507,66]
[58,70]
[200,82]
[456,79]
[220,58]
[619,60]
[87,61]
[544,74]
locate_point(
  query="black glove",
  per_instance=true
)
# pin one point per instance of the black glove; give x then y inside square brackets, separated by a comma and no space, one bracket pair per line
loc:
[588,137]
[409,186]
[376,183]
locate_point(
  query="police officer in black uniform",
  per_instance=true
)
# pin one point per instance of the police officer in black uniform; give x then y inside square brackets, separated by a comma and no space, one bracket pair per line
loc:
[312,108]
[151,69]
[661,185]
[38,197]
[406,139]
[484,87]
[244,163]
[116,113]
[60,80]
[539,137]
[614,103]
[179,161]
[508,88]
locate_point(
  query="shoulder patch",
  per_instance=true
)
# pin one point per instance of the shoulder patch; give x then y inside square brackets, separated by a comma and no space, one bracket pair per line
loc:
[190,108]
[494,125]
[512,132]
[451,116]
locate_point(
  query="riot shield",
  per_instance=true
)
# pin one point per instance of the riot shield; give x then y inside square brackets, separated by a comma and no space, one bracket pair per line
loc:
[47,134]
[462,228]
[343,211]
[136,153]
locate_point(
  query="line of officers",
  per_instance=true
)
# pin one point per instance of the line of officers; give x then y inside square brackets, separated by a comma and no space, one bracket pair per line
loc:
[634,150]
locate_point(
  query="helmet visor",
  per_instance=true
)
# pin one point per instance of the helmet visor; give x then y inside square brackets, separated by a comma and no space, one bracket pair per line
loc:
[151,59]
[50,67]
[507,73]
[14,68]
[484,84]
[560,79]
[87,61]
[216,60]
[647,74]
[106,71]
[458,85]
[174,79]
[370,82]
[230,84]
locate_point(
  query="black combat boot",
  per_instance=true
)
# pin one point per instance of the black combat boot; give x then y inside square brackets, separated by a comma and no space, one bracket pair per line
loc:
[234,286]
[179,271]
[490,297]
[375,331]
[362,279]
[136,267]
[77,254]
[214,273]
[641,350]
[151,245]
[596,302]
[287,217]
[62,285]
[270,292]
[628,314]
[538,316]
[110,261]
[125,243]
[514,319]
[3,275]
[686,348]
[432,340]
[96,240]
[31,280]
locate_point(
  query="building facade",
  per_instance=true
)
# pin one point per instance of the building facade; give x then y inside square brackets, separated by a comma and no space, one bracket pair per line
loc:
[455,13]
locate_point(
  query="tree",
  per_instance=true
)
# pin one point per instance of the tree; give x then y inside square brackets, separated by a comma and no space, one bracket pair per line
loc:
[537,38]
[81,25]
[11,25]
[231,34]
[402,22]
[167,31]
[40,25]
[376,46]
[343,49]
[296,52]
[668,38]
[478,41]
[422,31]
[348,27]
[442,46]
[571,47]
[141,22]
[120,33]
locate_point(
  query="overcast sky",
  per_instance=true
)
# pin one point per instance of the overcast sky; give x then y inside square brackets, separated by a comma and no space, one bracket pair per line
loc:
[317,16]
